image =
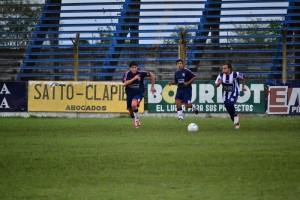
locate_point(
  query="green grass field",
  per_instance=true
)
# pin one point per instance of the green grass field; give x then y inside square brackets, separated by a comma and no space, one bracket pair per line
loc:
[59,158]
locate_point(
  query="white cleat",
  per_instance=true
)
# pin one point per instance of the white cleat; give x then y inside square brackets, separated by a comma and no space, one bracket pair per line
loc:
[237,126]
[136,123]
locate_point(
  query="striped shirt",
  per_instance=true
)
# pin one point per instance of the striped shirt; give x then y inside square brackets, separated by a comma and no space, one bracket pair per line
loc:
[230,84]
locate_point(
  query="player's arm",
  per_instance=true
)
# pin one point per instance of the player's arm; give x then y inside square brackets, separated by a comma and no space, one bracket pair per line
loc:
[189,82]
[172,83]
[152,78]
[243,77]
[244,83]
[128,82]
[218,81]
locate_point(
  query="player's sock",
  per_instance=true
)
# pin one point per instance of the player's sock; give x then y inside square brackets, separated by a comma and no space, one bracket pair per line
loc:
[136,115]
[180,113]
[236,119]
[195,109]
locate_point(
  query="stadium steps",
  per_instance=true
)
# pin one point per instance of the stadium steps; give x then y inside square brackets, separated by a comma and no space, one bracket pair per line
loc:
[137,30]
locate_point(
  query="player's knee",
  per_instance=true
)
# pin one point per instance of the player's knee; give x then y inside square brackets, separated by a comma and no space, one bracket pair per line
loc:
[134,104]
[188,105]
[178,103]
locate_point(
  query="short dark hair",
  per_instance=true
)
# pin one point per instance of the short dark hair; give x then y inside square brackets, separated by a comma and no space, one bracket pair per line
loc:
[179,60]
[229,65]
[133,63]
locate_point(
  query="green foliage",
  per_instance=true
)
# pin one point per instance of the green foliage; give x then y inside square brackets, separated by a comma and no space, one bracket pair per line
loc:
[106,33]
[84,42]
[177,34]
[58,158]
[250,33]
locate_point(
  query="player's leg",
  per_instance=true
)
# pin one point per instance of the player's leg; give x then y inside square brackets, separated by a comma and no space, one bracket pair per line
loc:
[179,109]
[193,106]
[230,109]
[135,105]
[229,105]
[187,101]
[178,101]
[131,113]
[129,108]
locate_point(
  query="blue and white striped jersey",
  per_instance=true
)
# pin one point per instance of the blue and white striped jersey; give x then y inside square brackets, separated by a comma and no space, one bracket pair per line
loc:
[230,84]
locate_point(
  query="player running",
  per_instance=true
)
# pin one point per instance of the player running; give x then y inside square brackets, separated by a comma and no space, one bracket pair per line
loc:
[231,90]
[133,81]
[183,78]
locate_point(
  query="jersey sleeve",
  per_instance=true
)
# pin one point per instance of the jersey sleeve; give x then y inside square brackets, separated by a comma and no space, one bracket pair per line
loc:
[218,78]
[144,74]
[241,75]
[125,77]
[190,73]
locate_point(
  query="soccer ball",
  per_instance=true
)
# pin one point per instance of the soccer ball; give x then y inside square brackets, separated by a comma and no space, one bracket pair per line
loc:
[192,127]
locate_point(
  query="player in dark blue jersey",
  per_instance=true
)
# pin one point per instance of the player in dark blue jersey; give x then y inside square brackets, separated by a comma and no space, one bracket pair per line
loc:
[133,80]
[231,90]
[183,78]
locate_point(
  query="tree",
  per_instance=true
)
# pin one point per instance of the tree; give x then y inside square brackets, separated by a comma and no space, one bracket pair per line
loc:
[177,34]
[84,42]
[251,33]
[105,32]
[17,21]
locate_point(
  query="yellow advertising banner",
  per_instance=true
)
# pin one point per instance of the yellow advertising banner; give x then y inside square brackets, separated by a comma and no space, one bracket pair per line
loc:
[71,96]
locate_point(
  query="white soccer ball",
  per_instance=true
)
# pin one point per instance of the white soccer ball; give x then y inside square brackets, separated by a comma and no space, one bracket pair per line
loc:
[192,127]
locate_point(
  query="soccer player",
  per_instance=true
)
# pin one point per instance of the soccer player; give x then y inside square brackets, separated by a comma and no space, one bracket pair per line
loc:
[183,78]
[133,81]
[231,90]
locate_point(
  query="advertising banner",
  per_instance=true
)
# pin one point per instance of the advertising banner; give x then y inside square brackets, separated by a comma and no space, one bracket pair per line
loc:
[207,98]
[72,96]
[283,99]
[13,97]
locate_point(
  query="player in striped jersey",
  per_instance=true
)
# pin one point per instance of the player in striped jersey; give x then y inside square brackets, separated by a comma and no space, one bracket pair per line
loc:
[133,81]
[183,78]
[231,90]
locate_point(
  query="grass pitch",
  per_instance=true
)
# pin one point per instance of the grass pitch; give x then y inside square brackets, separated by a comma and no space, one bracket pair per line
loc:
[59,158]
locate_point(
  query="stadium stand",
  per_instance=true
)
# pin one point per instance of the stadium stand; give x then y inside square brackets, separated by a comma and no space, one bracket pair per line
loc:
[17,24]
[112,33]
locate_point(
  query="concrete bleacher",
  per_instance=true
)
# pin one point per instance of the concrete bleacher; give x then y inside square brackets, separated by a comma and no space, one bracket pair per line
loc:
[15,35]
[113,33]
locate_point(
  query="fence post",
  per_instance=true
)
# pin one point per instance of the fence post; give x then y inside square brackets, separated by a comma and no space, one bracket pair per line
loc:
[182,46]
[284,33]
[76,56]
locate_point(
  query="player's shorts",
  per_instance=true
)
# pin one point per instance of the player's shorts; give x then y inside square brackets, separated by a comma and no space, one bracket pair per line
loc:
[231,100]
[137,98]
[184,95]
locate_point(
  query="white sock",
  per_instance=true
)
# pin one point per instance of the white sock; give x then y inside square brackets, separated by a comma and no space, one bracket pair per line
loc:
[194,107]
[136,115]
[180,114]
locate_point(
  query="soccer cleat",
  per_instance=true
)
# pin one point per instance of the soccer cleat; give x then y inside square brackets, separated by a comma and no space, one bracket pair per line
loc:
[236,119]
[136,123]
[196,111]
[180,119]
[237,126]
